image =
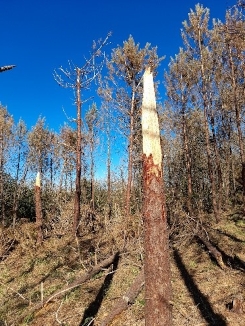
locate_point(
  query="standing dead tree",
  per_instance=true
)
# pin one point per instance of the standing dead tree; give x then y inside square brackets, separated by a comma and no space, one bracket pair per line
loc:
[158,291]
[80,79]
[38,204]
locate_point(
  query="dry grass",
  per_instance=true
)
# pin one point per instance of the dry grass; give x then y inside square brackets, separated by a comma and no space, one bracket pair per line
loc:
[202,291]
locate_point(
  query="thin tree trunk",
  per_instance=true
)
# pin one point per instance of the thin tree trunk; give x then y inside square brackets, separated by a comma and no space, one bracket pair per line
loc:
[218,163]
[238,122]
[77,205]
[130,154]
[187,161]
[2,179]
[16,192]
[38,205]
[109,174]
[158,291]
[92,174]
[207,135]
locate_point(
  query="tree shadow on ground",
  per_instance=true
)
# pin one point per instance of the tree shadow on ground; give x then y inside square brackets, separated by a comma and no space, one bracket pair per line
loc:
[199,298]
[232,237]
[94,306]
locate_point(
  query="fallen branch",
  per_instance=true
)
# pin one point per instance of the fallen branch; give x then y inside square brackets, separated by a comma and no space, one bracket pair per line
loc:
[125,301]
[83,278]
[213,251]
[78,282]
[14,291]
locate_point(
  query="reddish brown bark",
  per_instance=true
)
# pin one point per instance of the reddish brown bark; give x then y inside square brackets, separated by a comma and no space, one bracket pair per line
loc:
[158,292]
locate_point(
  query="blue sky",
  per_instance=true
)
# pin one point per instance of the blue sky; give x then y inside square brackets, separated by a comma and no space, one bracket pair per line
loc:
[40,36]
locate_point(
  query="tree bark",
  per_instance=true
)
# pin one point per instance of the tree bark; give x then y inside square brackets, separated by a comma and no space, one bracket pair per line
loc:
[158,291]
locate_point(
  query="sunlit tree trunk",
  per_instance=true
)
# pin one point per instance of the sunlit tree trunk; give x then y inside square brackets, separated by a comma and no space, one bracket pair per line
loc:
[158,291]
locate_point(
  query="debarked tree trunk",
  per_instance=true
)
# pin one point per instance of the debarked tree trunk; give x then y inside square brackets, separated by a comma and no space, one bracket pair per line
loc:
[158,291]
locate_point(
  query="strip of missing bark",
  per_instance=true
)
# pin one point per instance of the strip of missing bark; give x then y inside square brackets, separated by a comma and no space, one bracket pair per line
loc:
[150,124]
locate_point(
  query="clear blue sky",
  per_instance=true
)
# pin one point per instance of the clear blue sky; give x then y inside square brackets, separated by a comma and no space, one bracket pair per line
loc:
[39,36]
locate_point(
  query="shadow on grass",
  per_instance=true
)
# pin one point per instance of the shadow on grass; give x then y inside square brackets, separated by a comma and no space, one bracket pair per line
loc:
[232,237]
[199,298]
[94,306]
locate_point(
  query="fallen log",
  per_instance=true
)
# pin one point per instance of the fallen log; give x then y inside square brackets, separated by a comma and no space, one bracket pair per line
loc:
[79,281]
[125,301]
[213,251]
[76,283]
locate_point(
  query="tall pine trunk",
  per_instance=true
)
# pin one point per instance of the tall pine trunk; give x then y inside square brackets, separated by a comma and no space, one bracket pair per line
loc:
[238,120]
[187,161]
[77,204]
[206,105]
[158,291]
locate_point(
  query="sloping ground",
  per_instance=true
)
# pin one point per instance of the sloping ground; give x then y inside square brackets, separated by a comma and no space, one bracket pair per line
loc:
[203,292]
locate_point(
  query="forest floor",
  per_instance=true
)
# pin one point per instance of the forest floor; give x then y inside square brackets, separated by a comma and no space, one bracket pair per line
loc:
[203,292]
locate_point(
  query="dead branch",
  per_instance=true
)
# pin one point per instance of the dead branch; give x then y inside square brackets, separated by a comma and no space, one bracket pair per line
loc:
[78,282]
[125,301]
[14,291]
[213,251]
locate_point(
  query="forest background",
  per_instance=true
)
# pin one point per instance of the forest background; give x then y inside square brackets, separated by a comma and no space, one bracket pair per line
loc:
[201,119]
[202,137]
